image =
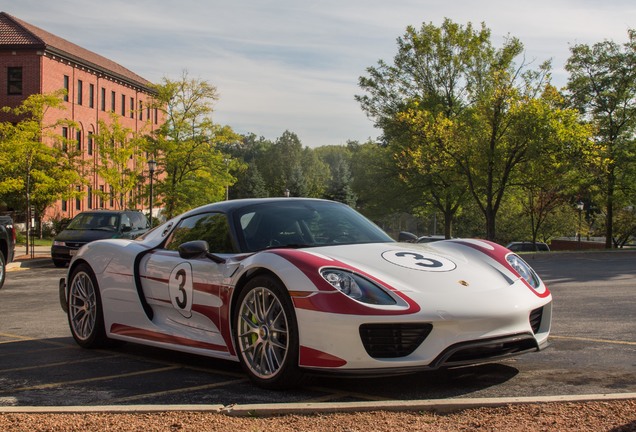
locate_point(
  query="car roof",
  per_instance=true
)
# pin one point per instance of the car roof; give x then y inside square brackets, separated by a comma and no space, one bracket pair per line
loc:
[232,205]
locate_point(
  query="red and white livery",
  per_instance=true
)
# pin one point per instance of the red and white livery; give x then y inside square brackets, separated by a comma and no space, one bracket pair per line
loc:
[290,285]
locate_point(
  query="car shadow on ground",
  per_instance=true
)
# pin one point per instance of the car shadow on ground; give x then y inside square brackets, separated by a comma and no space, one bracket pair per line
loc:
[57,372]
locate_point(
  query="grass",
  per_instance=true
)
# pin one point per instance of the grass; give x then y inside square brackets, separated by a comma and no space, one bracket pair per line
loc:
[36,241]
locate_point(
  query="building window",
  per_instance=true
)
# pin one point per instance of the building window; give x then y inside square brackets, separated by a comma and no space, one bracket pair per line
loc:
[89,144]
[112,197]
[101,196]
[103,101]
[14,81]
[66,81]
[148,113]
[64,206]
[78,140]
[132,107]
[123,105]
[156,116]
[64,138]
[91,95]
[112,101]
[141,110]
[78,199]
[89,198]
[80,90]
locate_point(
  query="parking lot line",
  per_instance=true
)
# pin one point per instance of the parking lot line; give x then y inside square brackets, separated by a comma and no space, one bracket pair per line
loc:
[103,378]
[18,338]
[47,365]
[175,391]
[607,341]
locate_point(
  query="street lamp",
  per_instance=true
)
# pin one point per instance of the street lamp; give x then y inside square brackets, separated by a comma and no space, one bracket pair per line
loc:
[152,166]
[580,206]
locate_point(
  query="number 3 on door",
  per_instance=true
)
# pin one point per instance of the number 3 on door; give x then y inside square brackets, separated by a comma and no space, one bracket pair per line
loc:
[180,286]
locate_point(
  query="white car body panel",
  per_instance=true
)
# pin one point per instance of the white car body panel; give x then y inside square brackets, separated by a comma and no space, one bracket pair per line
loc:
[463,288]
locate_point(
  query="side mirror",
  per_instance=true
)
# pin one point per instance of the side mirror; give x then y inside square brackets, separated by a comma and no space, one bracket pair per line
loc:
[198,249]
[193,249]
[407,237]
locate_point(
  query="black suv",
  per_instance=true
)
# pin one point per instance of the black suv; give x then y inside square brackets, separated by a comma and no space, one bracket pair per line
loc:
[94,225]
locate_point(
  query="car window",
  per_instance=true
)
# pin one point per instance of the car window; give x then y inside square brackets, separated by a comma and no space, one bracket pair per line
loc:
[125,221]
[94,221]
[138,221]
[211,227]
[296,224]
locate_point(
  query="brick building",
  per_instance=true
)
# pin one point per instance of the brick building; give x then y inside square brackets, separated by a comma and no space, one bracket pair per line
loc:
[33,61]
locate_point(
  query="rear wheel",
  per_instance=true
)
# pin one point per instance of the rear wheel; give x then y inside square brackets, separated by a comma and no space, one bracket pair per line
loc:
[85,311]
[266,334]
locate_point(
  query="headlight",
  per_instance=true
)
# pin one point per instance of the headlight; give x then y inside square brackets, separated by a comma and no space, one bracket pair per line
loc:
[58,243]
[357,287]
[524,270]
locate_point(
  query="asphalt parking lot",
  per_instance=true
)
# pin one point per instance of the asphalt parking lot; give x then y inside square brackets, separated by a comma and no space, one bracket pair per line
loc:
[593,351]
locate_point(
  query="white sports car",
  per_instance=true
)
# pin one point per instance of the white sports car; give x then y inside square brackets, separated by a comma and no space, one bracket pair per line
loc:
[288,285]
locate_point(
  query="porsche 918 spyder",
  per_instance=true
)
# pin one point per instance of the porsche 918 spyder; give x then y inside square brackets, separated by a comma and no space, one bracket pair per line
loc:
[291,285]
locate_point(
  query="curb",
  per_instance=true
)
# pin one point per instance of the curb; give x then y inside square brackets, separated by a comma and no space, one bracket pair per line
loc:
[29,263]
[300,408]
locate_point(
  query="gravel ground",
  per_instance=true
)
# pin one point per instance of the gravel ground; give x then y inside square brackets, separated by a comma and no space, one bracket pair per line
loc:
[614,416]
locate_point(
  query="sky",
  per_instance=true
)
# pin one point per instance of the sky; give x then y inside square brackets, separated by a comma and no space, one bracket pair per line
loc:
[295,64]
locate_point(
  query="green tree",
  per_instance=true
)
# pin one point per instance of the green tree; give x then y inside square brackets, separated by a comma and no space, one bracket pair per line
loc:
[375,181]
[551,173]
[339,186]
[35,171]
[250,184]
[192,170]
[460,115]
[315,173]
[121,164]
[281,165]
[602,85]
[418,102]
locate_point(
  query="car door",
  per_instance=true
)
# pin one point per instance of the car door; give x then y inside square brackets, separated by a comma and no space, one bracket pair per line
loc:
[186,295]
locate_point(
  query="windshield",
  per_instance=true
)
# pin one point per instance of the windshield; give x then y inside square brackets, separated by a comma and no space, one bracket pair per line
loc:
[300,223]
[94,221]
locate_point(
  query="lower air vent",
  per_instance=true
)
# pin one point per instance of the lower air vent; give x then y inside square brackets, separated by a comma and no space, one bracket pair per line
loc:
[482,350]
[393,340]
[535,319]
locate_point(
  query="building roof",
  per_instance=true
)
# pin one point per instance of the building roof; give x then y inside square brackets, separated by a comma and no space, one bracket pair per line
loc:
[18,34]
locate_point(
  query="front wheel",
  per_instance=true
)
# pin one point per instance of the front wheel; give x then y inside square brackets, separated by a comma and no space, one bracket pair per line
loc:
[59,263]
[3,269]
[266,334]
[85,311]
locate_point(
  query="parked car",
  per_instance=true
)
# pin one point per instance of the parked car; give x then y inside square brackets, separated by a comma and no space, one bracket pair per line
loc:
[94,225]
[528,246]
[7,244]
[290,285]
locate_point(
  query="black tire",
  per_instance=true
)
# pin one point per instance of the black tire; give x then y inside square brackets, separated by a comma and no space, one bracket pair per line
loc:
[3,269]
[266,334]
[59,263]
[85,312]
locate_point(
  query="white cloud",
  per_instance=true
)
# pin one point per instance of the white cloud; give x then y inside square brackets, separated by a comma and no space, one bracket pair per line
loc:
[293,65]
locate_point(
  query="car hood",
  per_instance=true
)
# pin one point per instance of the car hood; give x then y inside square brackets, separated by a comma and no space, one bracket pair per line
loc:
[446,267]
[84,235]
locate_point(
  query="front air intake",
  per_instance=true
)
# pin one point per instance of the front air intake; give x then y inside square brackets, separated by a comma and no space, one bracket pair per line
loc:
[535,319]
[393,340]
